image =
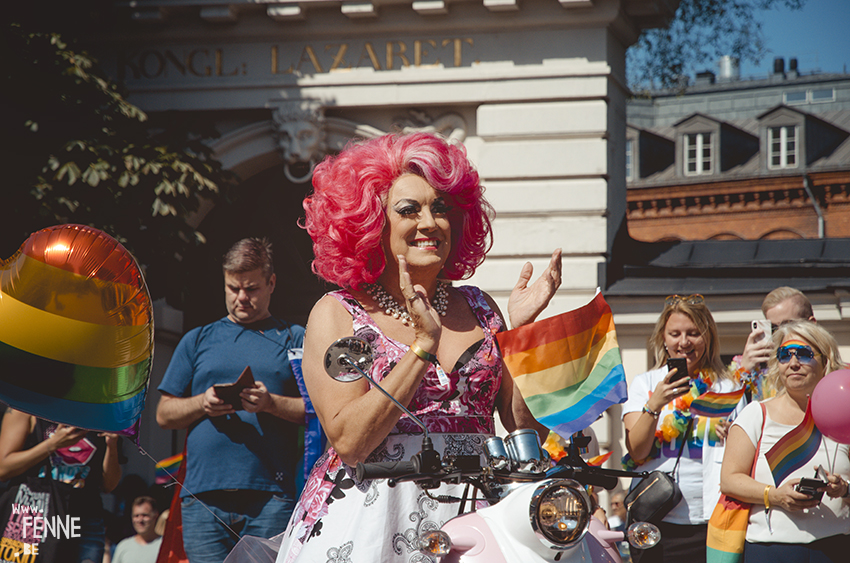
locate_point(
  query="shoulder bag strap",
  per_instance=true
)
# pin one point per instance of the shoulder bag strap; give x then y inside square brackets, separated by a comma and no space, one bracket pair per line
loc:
[758,445]
[682,447]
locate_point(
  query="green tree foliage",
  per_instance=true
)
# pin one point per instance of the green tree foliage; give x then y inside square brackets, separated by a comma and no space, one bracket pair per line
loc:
[77,152]
[701,32]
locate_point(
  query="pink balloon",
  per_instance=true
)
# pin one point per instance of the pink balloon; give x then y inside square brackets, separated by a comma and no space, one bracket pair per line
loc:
[831,406]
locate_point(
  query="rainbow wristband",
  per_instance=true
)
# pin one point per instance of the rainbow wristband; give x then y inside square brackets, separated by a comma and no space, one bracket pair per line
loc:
[429,357]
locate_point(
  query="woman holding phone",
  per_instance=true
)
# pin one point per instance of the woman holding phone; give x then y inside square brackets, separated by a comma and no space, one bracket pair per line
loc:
[659,423]
[787,524]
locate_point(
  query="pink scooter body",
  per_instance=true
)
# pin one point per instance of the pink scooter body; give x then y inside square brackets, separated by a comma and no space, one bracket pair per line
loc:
[502,533]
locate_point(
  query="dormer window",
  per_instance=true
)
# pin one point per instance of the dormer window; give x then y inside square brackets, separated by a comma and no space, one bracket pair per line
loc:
[782,147]
[698,157]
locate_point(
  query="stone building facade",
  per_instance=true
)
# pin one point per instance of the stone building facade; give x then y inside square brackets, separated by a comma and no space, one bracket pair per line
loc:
[535,90]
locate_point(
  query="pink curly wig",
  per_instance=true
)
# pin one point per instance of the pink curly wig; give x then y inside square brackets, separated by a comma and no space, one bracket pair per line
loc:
[346,211]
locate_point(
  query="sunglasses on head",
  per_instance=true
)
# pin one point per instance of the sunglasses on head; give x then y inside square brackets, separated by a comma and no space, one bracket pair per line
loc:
[695,299]
[804,354]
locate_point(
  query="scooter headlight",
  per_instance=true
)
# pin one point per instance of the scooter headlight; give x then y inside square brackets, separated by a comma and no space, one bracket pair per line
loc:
[560,513]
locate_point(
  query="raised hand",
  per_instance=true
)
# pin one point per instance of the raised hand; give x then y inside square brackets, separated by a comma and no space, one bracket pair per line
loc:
[425,318]
[757,350]
[669,388]
[528,301]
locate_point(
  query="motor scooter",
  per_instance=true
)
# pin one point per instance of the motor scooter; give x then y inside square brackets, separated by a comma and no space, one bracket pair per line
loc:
[536,511]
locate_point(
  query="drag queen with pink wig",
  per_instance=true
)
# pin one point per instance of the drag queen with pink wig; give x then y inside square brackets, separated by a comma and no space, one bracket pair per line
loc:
[394,221]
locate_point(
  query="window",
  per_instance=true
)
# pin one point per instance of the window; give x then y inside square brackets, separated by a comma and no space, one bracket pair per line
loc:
[825,95]
[809,96]
[697,154]
[793,98]
[629,159]
[782,147]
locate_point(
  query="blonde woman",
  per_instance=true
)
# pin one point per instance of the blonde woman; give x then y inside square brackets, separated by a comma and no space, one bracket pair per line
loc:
[786,525]
[657,419]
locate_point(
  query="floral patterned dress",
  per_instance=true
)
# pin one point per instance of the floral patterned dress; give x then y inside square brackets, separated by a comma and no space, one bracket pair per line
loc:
[341,520]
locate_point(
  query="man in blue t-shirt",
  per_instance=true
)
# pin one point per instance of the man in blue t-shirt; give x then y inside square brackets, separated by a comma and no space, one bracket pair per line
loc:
[240,455]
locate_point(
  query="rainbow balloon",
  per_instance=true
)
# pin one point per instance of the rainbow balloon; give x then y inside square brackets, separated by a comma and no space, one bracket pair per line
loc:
[76,330]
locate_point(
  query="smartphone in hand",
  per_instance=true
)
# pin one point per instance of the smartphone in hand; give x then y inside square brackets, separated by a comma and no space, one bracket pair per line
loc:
[810,487]
[681,366]
[765,327]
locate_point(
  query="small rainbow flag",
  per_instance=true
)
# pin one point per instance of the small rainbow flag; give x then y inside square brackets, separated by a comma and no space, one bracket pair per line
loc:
[568,368]
[716,405]
[598,460]
[794,449]
[166,470]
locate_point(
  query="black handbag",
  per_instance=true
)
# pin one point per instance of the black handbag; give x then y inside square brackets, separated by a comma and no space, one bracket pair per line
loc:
[657,493]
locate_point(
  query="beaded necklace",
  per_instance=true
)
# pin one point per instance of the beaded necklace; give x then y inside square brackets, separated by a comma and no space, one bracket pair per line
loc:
[391,307]
[674,423]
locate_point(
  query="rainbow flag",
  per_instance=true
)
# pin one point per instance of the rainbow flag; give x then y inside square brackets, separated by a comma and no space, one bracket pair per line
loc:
[727,531]
[597,461]
[166,470]
[794,449]
[568,367]
[716,405]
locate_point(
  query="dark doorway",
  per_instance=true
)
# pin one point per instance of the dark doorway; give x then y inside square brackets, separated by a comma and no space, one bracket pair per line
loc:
[265,205]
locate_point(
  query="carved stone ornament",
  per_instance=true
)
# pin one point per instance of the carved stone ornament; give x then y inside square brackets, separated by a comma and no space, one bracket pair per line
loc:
[451,126]
[304,135]
[300,134]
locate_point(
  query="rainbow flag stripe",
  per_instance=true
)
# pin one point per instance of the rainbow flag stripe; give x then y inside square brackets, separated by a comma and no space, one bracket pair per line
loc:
[76,330]
[794,449]
[727,530]
[597,461]
[568,368]
[716,405]
[165,471]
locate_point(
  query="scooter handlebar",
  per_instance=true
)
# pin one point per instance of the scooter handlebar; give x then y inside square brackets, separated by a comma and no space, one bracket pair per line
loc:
[386,469]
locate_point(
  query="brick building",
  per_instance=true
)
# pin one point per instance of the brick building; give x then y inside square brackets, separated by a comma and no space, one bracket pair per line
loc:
[731,159]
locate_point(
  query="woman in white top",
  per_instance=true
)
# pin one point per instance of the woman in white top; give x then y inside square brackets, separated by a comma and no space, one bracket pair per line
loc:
[786,525]
[657,419]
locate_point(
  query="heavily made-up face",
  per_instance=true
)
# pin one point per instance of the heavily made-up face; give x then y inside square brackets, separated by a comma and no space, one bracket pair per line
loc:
[418,225]
[684,340]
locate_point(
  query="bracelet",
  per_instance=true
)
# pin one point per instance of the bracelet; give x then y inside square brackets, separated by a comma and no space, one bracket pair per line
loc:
[766,499]
[427,356]
[431,358]
[847,493]
[650,412]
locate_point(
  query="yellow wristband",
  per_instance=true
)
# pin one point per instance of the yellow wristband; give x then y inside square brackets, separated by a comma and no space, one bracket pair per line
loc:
[766,499]
[427,356]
